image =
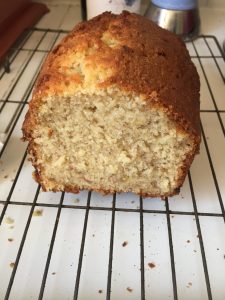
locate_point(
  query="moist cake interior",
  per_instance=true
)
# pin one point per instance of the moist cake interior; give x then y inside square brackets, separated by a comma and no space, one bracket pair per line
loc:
[108,140]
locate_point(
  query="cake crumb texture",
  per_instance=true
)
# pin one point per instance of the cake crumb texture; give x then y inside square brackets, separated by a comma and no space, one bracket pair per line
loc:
[115,109]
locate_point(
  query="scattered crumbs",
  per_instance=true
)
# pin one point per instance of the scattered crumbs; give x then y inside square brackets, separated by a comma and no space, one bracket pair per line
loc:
[53,273]
[6,176]
[172,216]
[190,283]
[38,213]
[217,249]
[195,251]
[100,291]
[188,241]
[125,243]
[132,202]
[9,220]
[76,200]
[151,265]
[12,264]
[93,235]
[130,290]
[10,239]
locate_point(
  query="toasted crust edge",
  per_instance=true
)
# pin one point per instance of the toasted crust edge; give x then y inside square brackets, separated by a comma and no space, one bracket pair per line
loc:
[40,92]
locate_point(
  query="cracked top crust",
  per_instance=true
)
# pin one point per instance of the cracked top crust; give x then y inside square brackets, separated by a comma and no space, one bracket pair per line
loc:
[131,53]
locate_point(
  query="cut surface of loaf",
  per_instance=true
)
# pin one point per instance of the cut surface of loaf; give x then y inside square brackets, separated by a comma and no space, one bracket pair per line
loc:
[115,109]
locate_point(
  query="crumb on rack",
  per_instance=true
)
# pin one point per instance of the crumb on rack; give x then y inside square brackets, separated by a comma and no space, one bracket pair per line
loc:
[100,291]
[53,273]
[130,290]
[188,241]
[76,200]
[12,264]
[9,220]
[151,265]
[125,243]
[38,213]
[93,235]
[10,239]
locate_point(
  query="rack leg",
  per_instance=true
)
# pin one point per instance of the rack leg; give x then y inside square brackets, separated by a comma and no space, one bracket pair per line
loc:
[6,65]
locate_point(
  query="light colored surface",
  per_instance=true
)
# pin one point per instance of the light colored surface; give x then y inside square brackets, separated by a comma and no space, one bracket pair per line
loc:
[61,277]
[213,22]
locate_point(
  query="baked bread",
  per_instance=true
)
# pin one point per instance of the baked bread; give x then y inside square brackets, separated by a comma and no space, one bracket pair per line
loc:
[115,109]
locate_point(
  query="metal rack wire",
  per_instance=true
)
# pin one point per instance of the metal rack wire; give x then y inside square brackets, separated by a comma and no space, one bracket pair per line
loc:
[205,47]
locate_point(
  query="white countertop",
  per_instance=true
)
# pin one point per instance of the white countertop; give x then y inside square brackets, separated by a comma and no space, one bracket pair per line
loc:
[213,22]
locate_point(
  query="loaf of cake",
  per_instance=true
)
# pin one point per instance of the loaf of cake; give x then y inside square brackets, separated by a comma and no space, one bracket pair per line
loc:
[115,109]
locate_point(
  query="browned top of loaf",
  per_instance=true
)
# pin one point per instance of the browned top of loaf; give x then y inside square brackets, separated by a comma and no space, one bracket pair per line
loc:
[135,55]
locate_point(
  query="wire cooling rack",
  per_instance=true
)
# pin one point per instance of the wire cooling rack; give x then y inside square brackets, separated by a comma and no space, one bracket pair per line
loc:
[88,246]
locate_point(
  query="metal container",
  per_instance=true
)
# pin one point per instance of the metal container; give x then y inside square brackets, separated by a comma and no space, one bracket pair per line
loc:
[180,17]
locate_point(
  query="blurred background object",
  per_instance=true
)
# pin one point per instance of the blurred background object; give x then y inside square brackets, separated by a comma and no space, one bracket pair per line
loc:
[96,7]
[65,14]
[15,17]
[180,17]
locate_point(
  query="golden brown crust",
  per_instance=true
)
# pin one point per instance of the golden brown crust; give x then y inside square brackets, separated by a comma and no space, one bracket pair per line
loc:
[148,60]
[134,55]
[75,189]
